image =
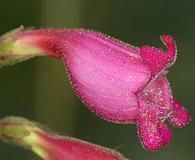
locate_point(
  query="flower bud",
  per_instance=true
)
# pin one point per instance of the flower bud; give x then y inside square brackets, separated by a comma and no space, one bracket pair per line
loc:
[49,146]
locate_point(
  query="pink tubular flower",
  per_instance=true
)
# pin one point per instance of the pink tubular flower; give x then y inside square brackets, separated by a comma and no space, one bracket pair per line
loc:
[117,81]
[48,146]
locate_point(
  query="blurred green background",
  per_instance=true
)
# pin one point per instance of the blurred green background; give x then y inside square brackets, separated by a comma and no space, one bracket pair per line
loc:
[39,89]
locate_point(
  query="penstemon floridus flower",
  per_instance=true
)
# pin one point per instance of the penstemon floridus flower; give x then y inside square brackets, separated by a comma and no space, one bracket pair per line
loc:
[119,82]
[49,146]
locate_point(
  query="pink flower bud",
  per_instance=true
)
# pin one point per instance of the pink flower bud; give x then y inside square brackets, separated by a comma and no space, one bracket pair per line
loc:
[49,146]
[119,82]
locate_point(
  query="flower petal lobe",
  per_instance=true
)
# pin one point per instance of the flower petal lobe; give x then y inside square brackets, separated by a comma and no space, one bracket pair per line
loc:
[165,133]
[179,116]
[148,126]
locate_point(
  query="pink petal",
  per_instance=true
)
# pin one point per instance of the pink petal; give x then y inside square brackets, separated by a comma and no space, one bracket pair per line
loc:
[104,72]
[148,126]
[157,59]
[106,76]
[153,132]
[171,46]
[165,133]
[158,92]
[179,116]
